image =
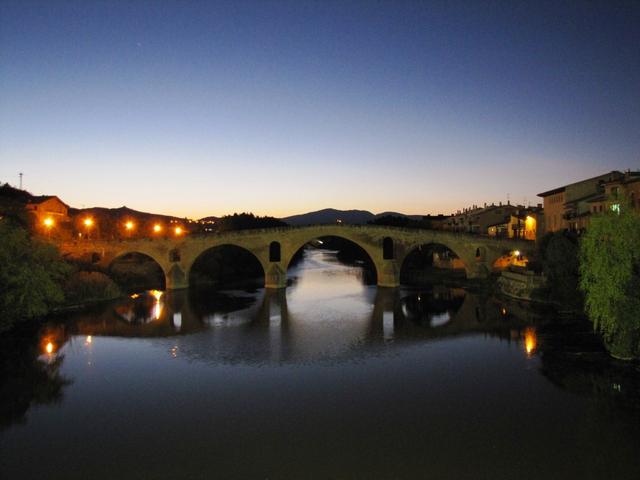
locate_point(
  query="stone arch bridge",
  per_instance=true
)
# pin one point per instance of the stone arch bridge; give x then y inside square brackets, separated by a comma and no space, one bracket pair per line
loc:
[387,247]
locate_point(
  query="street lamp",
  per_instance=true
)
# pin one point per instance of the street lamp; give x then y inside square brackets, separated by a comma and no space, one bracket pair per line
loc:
[48,225]
[178,231]
[88,223]
[157,228]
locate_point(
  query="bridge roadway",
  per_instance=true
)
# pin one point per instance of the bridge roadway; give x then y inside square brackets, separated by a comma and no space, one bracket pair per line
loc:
[388,248]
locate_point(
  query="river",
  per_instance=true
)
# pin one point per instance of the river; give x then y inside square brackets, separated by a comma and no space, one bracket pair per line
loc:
[331,379]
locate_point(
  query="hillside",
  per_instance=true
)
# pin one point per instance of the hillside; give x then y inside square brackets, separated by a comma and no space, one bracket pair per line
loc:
[332,215]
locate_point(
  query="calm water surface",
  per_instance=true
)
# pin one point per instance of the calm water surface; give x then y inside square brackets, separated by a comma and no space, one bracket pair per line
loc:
[330,379]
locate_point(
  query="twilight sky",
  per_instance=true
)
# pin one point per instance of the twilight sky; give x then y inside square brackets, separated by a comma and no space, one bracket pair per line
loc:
[195,108]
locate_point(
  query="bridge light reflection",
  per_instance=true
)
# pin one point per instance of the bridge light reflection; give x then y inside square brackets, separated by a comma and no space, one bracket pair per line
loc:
[530,341]
[157,308]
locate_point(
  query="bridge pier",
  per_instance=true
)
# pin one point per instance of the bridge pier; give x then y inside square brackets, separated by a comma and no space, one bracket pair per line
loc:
[478,271]
[175,278]
[275,276]
[388,274]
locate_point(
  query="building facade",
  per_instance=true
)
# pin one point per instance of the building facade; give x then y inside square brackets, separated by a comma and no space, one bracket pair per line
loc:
[569,207]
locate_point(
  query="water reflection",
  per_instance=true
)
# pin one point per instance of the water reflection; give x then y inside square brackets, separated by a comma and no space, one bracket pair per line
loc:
[530,340]
[265,326]
[30,374]
[319,370]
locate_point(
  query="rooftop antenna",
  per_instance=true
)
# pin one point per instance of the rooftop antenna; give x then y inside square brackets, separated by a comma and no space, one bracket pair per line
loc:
[20,174]
[508,200]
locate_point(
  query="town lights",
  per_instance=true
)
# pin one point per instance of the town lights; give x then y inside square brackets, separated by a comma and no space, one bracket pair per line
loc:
[129,225]
[157,228]
[48,222]
[516,253]
[178,230]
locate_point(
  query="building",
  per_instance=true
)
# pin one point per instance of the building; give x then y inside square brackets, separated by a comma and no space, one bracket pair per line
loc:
[48,208]
[478,219]
[525,223]
[569,207]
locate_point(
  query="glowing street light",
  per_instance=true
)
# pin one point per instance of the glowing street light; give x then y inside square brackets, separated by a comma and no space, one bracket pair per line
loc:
[129,225]
[157,228]
[48,225]
[88,223]
[178,230]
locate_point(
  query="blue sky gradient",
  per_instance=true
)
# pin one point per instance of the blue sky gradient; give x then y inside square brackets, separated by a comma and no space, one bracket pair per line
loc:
[197,108]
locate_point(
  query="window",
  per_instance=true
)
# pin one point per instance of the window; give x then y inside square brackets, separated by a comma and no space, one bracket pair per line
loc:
[387,248]
[274,252]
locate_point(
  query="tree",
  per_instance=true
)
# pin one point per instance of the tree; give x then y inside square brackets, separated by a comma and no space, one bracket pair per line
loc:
[610,278]
[558,254]
[245,221]
[31,275]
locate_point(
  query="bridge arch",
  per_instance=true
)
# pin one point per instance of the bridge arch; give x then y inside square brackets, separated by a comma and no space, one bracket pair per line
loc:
[137,270]
[370,255]
[226,264]
[440,253]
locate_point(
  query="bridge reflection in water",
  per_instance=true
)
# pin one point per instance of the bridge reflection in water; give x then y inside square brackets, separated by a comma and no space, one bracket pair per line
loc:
[266,326]
[263,383]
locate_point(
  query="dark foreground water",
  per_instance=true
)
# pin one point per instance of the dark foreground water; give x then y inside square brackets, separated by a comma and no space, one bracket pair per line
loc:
[332,379]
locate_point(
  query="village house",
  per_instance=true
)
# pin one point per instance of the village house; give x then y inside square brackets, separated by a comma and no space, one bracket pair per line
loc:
[478,219]
[570,207]
[525,223]
[48,210]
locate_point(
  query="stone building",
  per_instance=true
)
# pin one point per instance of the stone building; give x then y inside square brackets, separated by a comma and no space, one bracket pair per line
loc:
[525,223]
[569,207]
[48,210]
[478,219]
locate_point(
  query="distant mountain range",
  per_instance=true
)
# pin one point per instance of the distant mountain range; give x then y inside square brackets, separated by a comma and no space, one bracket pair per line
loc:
[331,215]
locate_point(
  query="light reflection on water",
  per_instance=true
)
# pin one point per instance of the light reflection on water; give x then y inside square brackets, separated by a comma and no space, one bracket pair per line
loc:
[376,383]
